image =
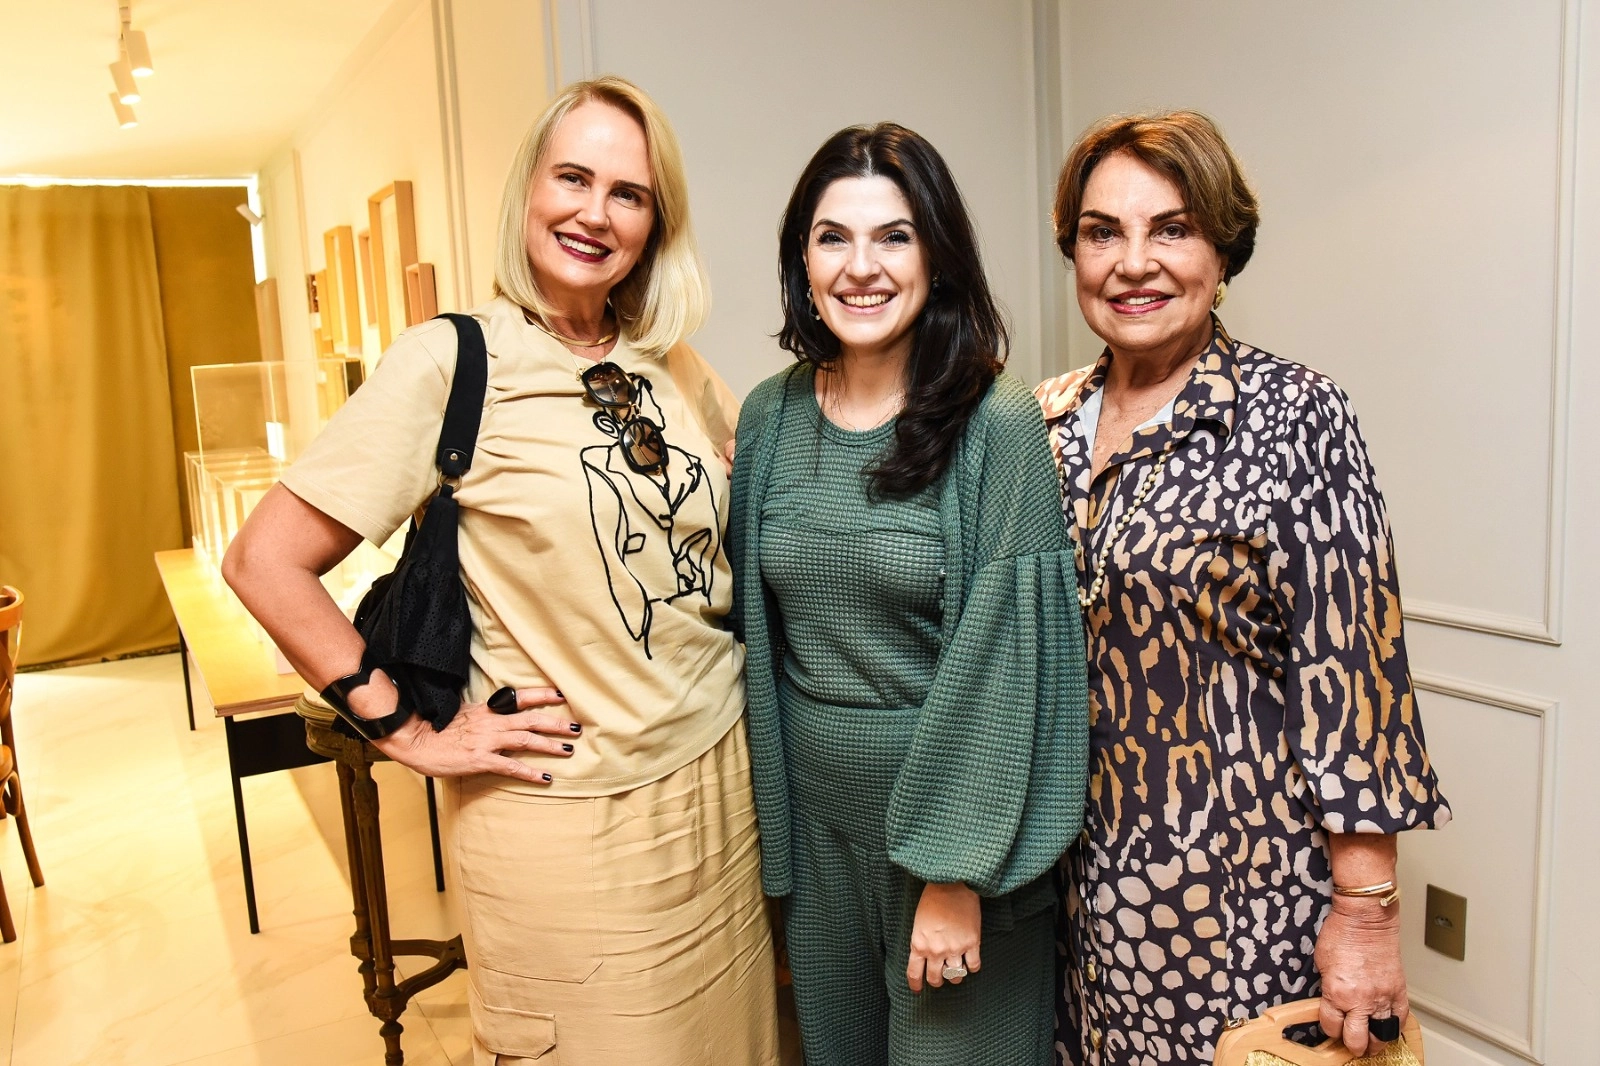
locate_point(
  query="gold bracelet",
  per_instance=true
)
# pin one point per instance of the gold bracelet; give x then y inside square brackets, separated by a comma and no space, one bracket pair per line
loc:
[1387,890]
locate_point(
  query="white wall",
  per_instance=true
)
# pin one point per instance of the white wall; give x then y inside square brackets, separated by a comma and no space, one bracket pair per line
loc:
[439,94]
[1419,167]
[754,89]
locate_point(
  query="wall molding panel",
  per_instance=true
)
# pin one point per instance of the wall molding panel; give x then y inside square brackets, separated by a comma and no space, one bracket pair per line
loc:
[1529,1043]
[444,56]
[571,50]
[1545,629]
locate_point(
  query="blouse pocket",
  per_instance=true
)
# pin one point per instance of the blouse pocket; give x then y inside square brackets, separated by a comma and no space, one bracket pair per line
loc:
[528,886]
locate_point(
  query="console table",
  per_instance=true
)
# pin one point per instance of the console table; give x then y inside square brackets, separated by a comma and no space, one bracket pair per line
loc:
[271,727]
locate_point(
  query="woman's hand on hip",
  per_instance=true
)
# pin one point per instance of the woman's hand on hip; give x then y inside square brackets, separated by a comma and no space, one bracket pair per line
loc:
[477,739]
[945,932]
[1358,955]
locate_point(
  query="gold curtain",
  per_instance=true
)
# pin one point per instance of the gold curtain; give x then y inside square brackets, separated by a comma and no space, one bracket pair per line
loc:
[208,297]
[87,492]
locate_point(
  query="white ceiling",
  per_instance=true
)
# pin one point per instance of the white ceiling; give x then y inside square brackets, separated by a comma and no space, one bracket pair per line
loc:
[232,81]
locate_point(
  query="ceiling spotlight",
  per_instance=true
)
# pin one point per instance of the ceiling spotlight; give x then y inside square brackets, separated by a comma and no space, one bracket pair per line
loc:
[125,115]
[127,91]
[249,215]
[137,51]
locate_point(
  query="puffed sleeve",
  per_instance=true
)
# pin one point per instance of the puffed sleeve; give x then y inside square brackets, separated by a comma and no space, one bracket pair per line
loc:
[1351,713]
[992,789]
[372,466]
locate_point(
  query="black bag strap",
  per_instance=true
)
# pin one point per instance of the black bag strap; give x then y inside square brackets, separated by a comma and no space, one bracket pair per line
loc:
[458,437]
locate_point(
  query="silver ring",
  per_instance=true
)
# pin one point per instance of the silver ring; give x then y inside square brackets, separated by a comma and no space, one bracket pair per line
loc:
[954,973]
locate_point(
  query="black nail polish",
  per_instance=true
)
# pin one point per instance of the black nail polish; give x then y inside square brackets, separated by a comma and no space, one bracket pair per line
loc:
[545,776]
[576,728]
[566,747]
[560,694]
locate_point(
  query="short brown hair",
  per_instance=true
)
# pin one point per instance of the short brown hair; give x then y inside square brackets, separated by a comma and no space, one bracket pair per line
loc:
[1187,147]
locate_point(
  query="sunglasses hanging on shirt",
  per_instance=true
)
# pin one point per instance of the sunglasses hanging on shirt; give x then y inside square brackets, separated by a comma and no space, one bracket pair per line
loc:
[612,387]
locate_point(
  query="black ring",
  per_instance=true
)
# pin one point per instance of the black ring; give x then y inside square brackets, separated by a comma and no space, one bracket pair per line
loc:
[503,700]
[1385,1029]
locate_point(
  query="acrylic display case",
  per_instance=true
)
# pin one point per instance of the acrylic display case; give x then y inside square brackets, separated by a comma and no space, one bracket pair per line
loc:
[254,419]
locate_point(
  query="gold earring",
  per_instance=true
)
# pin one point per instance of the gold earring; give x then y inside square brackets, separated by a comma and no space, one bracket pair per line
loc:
[1222,294]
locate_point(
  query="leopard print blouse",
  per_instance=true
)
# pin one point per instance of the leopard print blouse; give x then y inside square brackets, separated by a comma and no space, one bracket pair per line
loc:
[1248,694]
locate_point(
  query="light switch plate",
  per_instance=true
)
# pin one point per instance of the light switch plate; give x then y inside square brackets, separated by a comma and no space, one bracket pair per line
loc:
[1446,930]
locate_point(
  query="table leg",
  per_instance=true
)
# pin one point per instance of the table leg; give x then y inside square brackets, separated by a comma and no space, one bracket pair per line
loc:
[433,832]
[188,690]
[361,939]
[387,1002]
[244,836]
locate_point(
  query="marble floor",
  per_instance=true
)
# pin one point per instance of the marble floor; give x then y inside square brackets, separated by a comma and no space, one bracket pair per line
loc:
[137,951]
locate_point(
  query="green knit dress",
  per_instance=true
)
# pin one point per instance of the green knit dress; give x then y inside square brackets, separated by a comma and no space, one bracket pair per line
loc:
[917,714]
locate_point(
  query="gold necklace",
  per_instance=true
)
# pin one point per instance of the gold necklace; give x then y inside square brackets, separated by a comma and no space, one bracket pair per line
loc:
[533,320]
[1092,593]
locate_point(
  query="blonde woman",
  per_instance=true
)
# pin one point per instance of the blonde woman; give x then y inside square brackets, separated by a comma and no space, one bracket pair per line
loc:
[602,837]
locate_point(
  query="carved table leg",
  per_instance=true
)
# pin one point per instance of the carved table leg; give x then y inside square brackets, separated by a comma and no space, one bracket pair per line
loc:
[361,939]
[386,1002]
[371,943]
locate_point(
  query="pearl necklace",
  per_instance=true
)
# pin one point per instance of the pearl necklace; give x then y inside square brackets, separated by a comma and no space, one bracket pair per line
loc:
[1089,595]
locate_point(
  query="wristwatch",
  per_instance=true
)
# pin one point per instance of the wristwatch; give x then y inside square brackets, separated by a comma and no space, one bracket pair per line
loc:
[337,696]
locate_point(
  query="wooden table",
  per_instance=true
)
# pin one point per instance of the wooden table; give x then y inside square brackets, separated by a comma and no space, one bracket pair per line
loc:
[240,673]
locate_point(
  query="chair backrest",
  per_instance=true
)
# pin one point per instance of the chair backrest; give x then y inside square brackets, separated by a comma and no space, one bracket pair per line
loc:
[10,641]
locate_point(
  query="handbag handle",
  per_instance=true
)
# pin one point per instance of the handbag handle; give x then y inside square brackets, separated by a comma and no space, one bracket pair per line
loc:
[458,436]
[1265,1033]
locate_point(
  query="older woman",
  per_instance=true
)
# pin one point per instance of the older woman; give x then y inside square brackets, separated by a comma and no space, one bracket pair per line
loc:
[904,582]
[603,837]
[1255,744]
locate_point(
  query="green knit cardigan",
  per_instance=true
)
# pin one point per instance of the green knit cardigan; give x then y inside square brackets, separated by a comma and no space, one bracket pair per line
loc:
[992,788]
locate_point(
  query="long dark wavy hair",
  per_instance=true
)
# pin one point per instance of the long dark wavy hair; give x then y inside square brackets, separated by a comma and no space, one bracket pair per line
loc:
[959,340]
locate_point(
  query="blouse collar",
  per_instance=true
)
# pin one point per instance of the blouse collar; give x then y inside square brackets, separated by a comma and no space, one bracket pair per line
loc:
[1210,395]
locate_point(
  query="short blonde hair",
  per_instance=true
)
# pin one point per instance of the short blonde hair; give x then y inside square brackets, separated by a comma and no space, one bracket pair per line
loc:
[666,296]
[1187,147]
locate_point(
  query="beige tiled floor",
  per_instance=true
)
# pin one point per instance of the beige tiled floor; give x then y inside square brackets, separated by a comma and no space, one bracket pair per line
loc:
[137,950]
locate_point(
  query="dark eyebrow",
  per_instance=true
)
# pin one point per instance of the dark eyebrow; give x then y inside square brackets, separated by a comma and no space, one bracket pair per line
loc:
[587,172]
[1114,220]
[887,225]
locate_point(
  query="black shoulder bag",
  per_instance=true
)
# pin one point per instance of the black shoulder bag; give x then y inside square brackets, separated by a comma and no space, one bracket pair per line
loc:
[415,619]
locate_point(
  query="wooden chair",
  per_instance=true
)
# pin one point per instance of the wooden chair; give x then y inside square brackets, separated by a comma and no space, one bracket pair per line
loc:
[10,783]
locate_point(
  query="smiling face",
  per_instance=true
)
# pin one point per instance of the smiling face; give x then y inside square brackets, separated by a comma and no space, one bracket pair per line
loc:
[868,269]
[591,206]
[1146,275]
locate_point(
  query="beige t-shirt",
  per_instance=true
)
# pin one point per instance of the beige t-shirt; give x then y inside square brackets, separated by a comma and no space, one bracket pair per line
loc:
[607,584]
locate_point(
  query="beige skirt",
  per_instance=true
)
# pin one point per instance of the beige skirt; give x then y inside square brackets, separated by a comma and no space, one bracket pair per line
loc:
[616,929]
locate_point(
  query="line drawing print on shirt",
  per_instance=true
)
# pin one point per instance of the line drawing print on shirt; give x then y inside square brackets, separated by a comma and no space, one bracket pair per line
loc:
[637,527]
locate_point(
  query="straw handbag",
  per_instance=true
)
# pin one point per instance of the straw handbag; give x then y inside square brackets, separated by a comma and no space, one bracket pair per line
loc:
[1261,1042]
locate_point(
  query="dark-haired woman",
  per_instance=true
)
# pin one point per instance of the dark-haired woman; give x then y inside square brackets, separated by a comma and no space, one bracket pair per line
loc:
[904,586]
